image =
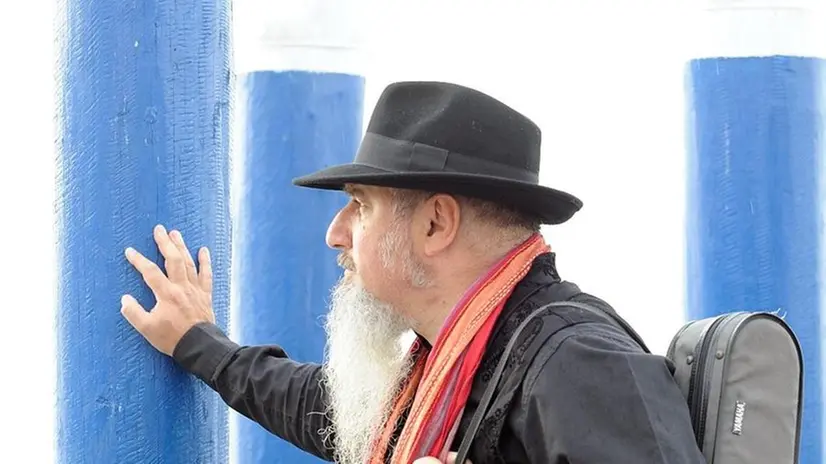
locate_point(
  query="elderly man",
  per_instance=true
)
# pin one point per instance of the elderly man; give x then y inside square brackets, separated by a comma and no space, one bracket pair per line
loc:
[441,238]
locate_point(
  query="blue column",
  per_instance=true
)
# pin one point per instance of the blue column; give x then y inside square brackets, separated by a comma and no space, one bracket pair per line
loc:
[299,108]
[755,176]
[142,139]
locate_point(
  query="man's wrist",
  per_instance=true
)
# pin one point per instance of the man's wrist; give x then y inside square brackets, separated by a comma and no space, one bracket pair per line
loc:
[203,351]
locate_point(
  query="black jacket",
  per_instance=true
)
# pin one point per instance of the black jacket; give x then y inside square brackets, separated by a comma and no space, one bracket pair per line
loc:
[577,389]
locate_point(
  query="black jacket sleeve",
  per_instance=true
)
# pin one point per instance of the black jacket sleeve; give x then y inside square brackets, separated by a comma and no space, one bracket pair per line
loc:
[592,396]
[262,383]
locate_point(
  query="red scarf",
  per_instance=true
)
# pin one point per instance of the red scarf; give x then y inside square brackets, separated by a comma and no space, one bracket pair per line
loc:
[440,380]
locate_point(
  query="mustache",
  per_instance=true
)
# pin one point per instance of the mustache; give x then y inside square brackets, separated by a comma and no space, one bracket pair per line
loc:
[345,262]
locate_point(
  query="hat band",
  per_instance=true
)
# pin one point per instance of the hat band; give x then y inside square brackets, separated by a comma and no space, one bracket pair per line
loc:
[390,154]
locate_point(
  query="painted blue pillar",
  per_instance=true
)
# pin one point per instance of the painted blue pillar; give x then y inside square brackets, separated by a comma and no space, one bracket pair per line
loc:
[755,176]
[142,139]
[300,108]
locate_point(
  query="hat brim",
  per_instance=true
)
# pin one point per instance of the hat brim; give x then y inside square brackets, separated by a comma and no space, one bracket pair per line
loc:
[548,205]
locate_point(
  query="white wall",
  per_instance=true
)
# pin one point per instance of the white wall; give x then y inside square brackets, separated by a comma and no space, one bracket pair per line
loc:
[602,78]
[26,240]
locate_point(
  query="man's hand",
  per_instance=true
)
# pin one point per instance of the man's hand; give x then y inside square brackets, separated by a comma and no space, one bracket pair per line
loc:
[183,299]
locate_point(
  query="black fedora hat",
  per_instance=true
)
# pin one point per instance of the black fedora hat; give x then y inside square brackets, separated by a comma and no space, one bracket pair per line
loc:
[448,138]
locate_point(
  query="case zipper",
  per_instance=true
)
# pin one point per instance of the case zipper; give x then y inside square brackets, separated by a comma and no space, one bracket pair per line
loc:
[698,396]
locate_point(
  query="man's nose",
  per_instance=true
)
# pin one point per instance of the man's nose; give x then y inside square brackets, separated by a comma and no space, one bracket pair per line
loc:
[338,233]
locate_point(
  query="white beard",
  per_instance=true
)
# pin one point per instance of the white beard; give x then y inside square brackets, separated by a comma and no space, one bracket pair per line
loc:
[366,364]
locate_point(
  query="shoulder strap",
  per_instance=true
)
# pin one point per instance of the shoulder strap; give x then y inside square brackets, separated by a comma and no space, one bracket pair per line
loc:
[484,402]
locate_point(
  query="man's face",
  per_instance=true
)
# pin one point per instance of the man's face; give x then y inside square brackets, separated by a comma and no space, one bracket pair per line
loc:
[377,251]
[366,361]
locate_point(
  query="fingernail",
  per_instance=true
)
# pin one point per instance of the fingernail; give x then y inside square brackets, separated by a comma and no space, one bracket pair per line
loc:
[206,253]
[129,252]
[124,300]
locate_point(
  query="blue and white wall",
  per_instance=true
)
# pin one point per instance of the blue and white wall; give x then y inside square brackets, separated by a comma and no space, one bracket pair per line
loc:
[604,79]
[299,106]
[142,121]
[757,119]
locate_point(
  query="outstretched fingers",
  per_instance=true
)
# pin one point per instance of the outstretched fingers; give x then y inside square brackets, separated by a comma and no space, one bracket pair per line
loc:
[205,276]
[134,313]
[173,259]
[184,299]
[152,274]
[189,264]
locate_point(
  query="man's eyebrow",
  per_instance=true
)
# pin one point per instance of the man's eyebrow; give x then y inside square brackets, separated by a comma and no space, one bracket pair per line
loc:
[354,192]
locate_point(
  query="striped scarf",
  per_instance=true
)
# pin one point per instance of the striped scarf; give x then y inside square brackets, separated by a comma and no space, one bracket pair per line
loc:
[440,380]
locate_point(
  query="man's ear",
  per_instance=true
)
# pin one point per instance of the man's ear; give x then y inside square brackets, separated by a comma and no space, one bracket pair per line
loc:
[441,218]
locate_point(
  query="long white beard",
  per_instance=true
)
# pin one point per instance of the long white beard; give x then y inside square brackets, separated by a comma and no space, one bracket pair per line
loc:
[365,367]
